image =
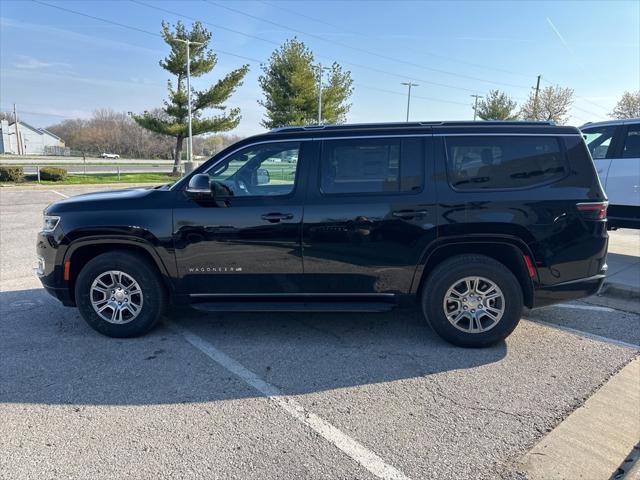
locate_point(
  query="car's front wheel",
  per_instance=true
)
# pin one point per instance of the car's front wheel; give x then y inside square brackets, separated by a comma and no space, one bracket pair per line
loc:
[472,300]
[120,295]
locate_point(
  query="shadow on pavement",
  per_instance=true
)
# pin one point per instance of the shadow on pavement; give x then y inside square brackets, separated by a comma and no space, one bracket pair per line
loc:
[50,356]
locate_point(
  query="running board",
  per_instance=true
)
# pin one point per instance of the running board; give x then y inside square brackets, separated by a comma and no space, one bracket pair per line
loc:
[294,307]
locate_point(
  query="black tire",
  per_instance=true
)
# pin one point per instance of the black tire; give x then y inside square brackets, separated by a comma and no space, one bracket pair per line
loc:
[154,296]
[446,274]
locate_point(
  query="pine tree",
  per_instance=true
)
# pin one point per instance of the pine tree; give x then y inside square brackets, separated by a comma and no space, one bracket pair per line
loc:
[290,85]
[173,118]
[497,105]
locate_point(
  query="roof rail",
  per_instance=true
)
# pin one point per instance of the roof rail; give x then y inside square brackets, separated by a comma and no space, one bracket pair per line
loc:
[460,123]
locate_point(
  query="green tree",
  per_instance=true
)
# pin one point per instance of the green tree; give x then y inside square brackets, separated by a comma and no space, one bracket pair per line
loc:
[290,86]
[497,105]
[172,120]
[628,106]
[552,104]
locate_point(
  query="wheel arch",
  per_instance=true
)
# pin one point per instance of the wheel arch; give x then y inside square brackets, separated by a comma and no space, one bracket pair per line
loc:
[83,250]
[509,251]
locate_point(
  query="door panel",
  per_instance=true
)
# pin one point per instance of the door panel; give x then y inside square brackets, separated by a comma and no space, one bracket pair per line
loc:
[623,181]
[251,245]
[367,239]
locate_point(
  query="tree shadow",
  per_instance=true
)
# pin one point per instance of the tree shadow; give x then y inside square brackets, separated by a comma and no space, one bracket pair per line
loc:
[50,356]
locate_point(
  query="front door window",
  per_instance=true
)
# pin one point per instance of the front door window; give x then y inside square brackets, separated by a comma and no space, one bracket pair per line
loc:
[260,170]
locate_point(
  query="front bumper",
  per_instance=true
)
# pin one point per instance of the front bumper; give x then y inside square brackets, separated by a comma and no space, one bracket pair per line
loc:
[566,291]
[49,266]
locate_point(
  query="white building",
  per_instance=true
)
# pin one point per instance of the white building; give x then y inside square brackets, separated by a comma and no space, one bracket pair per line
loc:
[33,141]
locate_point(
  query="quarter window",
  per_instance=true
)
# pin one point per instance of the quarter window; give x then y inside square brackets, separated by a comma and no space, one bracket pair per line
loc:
[632,143]
[501,162]
[371,166]
[598,140]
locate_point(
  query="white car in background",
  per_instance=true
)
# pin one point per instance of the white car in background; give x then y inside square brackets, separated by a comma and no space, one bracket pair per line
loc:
[615,149]
[112,156]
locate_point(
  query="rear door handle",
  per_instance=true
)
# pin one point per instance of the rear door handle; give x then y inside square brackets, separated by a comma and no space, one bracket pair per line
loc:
[409,213]
[276,217]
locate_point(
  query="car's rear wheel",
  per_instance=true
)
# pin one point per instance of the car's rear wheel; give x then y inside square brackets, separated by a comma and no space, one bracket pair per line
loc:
[472,300]
[120,295]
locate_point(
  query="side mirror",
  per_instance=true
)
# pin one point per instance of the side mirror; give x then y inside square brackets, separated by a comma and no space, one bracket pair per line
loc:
[263,176]
[199,187]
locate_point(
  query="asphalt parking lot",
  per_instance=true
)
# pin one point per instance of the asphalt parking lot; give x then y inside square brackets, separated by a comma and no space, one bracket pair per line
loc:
[281,395]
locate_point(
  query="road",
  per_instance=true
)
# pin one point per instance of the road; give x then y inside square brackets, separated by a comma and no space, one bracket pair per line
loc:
[280,395]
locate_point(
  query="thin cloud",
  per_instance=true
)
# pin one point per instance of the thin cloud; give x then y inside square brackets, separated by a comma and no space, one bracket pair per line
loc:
[31,63]
[79,38]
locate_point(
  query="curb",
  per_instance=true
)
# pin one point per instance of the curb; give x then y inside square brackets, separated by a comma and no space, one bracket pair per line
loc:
[619,290]
[594,438]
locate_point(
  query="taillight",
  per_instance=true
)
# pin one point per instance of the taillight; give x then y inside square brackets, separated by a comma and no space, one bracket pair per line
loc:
[593,210]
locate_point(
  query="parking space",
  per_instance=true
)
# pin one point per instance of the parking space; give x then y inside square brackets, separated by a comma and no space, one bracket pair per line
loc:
[280,395]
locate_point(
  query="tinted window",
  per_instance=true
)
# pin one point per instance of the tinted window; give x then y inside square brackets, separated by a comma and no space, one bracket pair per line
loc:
[259,170]
[632,143]
[371,166]
[503,161]
[598,140]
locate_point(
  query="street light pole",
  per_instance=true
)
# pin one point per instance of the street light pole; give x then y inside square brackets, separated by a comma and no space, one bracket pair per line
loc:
[409,84]
[188,43]
[320,70]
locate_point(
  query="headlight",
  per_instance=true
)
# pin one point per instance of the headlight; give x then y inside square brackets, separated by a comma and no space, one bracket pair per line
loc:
[50,223]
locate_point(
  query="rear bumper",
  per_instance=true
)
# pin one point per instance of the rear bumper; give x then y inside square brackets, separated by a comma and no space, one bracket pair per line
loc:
[563,292]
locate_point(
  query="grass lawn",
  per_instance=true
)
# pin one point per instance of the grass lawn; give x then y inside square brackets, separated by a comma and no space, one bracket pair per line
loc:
[97,178]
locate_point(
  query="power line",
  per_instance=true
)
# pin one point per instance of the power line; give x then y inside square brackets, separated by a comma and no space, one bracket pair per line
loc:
[254,60]
[408,48]
[352,64]
[581,98]
[362,50]
[129,27]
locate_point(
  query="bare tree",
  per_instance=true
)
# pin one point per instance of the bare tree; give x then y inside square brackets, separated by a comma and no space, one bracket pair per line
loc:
[112,132]
[8,116]
[628,106]
[552,104]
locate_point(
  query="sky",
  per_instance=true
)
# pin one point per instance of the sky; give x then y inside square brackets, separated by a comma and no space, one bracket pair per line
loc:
[56,64]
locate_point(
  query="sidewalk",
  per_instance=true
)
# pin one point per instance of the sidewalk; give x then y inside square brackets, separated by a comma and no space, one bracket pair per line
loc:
[623,276]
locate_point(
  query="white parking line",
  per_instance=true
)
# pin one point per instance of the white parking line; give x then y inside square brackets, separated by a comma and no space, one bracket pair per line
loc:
[61,194]
[351,447]
[583,307]
[591,336]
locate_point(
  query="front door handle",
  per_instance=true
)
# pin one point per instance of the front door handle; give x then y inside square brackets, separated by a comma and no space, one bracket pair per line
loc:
[409,213]
[276,217]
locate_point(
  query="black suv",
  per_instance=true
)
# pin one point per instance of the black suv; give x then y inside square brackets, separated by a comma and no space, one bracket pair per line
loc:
[472,220]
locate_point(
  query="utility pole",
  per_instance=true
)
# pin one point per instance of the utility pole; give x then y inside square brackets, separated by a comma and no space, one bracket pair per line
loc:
[320,70]
[535,99]
[409,84]
[475,105]
[15,126]
[189,167]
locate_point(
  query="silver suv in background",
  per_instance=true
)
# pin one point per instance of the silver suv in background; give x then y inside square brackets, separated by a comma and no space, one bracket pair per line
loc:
[615,149]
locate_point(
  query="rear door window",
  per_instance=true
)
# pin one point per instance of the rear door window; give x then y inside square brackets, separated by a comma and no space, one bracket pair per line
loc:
[503,162]
[632,142]
[371,165]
